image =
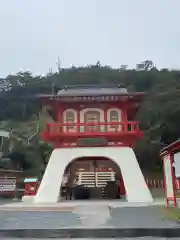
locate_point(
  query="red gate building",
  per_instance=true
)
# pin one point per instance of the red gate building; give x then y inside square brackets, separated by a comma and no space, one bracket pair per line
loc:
[93,123]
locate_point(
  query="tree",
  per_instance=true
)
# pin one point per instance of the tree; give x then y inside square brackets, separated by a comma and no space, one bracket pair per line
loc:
[18,160]
[123,67]
[159,114]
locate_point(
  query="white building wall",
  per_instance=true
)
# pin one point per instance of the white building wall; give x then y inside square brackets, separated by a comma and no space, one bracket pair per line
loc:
[124,157]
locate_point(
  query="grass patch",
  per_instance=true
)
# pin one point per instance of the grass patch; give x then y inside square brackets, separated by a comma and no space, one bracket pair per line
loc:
[172,213]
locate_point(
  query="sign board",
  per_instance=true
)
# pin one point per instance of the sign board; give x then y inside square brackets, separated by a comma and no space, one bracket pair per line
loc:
[7,184]
[92,142]
[4,134]
[30,180]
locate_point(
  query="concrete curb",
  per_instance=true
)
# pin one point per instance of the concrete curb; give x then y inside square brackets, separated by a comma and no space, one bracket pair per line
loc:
[91,233]
[37,209]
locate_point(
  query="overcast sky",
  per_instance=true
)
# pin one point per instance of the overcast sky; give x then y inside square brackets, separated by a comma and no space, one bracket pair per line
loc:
[33,33]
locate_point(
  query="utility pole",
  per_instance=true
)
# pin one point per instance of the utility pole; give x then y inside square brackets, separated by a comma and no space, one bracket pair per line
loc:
[59,65]
[50,71]
[53,89]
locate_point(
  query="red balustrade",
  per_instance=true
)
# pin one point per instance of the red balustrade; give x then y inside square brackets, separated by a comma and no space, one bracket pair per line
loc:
[100,128]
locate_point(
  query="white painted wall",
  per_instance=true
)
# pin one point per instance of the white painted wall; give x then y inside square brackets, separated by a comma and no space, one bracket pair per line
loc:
[176,164]
[168,178]
[136,188]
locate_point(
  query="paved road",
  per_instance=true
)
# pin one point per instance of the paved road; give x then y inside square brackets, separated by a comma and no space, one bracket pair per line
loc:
[92,216]
[143,238]
[140,217]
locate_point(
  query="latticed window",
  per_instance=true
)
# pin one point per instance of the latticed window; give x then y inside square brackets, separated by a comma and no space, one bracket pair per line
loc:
[114,117]
[92,117]
[70,118]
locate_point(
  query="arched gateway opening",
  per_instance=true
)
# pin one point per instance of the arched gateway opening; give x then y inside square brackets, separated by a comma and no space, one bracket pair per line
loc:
[94,177]
[50,188]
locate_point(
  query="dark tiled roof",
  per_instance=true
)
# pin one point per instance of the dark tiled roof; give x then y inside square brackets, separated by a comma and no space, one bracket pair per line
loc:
[91,90]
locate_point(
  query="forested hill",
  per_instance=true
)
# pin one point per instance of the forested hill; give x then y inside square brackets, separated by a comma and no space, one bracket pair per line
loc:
[159,115]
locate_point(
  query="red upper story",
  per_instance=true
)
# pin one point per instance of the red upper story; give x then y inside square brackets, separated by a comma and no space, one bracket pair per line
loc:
[83,114]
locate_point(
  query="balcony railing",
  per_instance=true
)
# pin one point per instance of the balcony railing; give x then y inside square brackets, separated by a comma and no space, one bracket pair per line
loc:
[84,129]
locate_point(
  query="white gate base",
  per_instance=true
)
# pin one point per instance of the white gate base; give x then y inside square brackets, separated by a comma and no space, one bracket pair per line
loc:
[124,157]
[28,199]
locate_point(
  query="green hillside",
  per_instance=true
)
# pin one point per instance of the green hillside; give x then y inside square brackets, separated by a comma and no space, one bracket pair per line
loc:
[159,114]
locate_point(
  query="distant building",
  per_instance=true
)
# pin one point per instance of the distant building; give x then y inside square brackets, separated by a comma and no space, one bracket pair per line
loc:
[5,85]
